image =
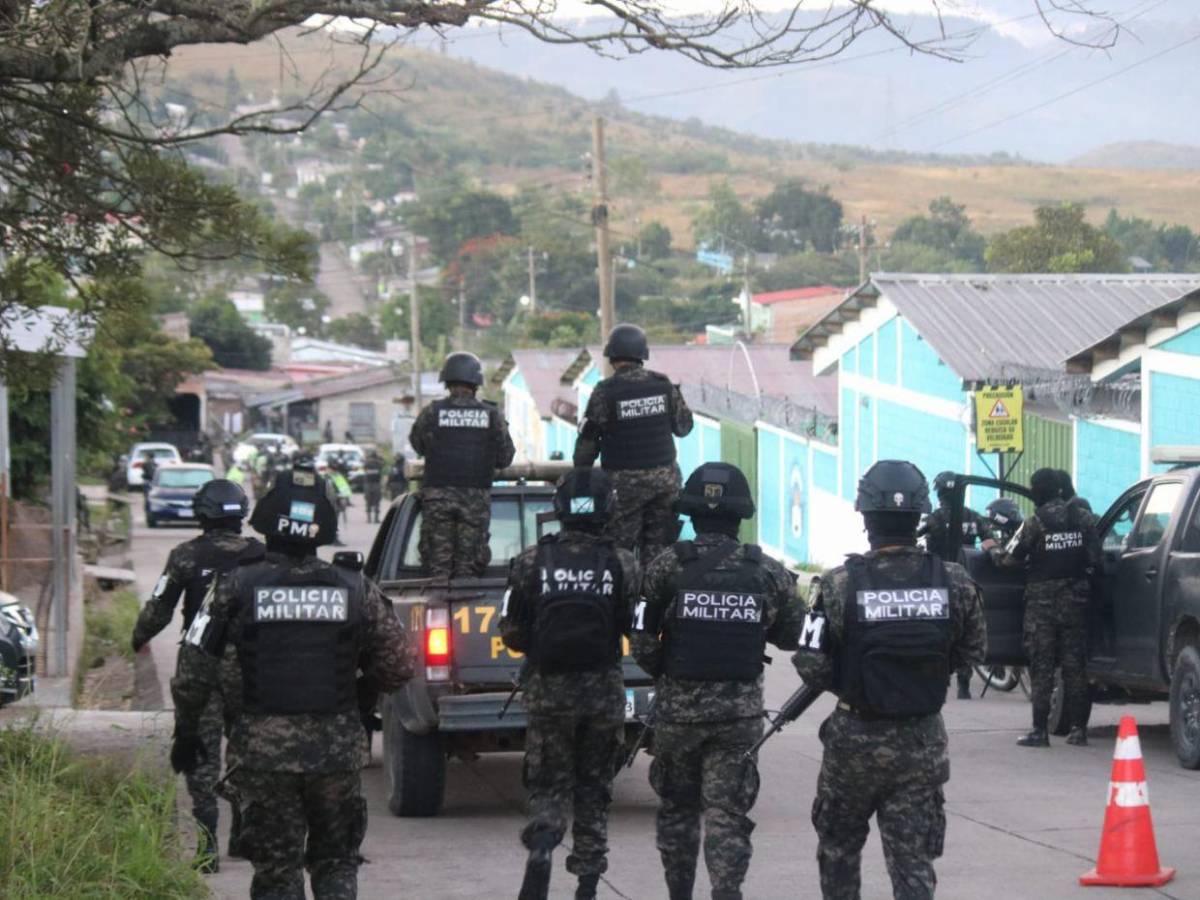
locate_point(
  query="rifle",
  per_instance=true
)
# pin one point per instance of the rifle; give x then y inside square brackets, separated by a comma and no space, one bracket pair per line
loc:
[794,708]
[518,683]
[647,723]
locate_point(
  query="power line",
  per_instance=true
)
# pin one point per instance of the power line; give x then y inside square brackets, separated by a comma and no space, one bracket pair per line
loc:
[1071,93]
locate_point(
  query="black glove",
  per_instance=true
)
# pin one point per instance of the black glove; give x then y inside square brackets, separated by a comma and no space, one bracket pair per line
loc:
[187,751]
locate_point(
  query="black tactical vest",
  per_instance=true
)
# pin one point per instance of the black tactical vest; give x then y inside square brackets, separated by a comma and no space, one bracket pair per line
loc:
[298,649]
[1060,553]
[717,628]
[575,625]
[894,656]
[210,561]
[462,454]
[639,432]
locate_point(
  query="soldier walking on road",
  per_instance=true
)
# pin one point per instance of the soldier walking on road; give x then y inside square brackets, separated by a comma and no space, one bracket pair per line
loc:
[464,440]
[300,629]
[711,605]
[889,664]
[373,484]
[1060,550]
[220,506]
[631,422]
[569,603]
[935,530]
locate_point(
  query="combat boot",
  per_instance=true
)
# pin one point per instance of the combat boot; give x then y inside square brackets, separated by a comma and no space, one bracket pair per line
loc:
[536,885]
[726,895]
[1077,737]
[236,850]
[964,690]
[679,885]
[207,852]
[587,886]
[1039,737]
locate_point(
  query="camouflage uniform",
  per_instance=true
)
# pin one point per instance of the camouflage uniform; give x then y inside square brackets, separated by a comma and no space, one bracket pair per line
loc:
[573,744]
[188,563]
[644,518]
[294,775]
[1055,627]
[455,520]
[934,528]
[373,486]
[702,730]
[893,769]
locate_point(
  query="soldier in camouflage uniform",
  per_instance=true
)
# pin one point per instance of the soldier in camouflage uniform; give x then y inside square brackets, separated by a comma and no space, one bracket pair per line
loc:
[220,506]
[629,422]
[569,603]
[300,629]
[934,529]
[373,484]
[1060,550]
[885,631]
[464,441]
[710,607]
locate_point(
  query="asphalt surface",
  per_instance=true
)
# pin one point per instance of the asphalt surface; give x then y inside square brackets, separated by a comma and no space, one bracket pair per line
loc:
[1022,823]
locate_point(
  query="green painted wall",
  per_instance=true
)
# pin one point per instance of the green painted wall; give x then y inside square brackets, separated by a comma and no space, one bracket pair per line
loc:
[739,448]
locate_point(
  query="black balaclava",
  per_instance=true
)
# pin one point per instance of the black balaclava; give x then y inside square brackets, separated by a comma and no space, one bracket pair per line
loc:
[290,548]
[1065,485]
[725,525]
[891,529]
[1045,486]
[227,523]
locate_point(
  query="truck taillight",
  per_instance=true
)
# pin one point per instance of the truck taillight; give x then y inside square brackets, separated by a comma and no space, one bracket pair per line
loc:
[437,645]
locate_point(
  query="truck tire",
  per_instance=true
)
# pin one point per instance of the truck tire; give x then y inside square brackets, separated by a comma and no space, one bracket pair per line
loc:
[1060,722]
[416,769]
[1185,707]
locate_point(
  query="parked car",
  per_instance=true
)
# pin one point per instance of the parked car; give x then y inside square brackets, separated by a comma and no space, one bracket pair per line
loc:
[465,674]
[162,453]
[259,441]
[1144,612]
[171,492]
[351,454]
[18,649]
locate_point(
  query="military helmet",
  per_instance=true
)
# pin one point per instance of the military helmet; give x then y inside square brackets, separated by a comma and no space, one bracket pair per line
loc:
[220,499]
[462,368]
[717,489]
[944,482]
[584,495]
[1004,514]
[892,486]
[297,509]
[627,342]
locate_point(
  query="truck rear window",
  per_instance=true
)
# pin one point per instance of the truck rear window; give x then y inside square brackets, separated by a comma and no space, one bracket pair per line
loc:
[513,528]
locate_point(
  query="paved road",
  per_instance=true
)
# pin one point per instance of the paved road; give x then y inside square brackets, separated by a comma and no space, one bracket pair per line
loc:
[1022,823]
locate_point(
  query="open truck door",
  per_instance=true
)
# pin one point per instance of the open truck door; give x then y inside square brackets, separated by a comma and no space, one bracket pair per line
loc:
[1003,588]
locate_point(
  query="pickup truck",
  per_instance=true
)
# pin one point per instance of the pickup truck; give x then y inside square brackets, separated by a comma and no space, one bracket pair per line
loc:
[451,708]
[1144,612]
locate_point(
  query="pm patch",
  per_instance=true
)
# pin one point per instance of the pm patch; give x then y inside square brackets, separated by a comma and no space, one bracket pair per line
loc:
[302,511]
[301,604]
[583,506]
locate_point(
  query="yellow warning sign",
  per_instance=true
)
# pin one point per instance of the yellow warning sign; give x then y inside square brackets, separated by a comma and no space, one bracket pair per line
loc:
[998,414]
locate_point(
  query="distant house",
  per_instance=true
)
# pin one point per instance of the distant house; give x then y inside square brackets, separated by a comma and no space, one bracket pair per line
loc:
[1140,265]
[780,316]
[538,403]
[359,402]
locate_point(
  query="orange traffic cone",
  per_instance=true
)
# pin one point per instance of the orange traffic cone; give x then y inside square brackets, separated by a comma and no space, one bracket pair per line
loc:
[1128,855]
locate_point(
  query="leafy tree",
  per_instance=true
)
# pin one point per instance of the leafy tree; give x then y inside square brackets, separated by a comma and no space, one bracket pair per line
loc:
[297,305]
[450,221]
[793,218]
[439,318]
[357,329]
[560,329]
[946,229]
[655,241]
[234,344]
[1166,247]
[808,270]
[901,256]
[1059,241]
[724,222]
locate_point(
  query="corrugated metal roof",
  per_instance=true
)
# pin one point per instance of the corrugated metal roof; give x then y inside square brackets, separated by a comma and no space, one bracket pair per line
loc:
[543,370]
[1003,326]
[316,388]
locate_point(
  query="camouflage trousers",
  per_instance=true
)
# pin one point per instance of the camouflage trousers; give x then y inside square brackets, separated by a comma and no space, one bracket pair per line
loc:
[372,495]
[202,784]
[1056,635]
[294,820]
[700,773]
[570,763]
[644,519]
[892,769]
[454,531]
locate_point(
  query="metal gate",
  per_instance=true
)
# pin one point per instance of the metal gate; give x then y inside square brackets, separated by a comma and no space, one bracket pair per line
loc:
[1048,444]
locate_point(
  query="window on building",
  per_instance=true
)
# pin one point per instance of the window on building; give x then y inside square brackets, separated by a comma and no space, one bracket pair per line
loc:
[1156,517]
[362,421]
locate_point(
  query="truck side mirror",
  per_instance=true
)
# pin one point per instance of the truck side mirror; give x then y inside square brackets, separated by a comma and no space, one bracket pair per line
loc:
[348,559]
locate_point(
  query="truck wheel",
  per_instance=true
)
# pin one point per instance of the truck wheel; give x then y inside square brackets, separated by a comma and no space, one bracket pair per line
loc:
[1060,722]
[416,769]
[1185,707]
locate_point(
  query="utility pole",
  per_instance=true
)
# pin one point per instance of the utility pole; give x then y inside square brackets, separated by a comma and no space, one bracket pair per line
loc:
[862,250]
[414,314]
[462,314]
[532,284]
[746,295]
[600,220]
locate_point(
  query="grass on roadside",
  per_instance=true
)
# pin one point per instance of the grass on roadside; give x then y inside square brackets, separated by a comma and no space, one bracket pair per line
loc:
[75,827]
[108,627]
